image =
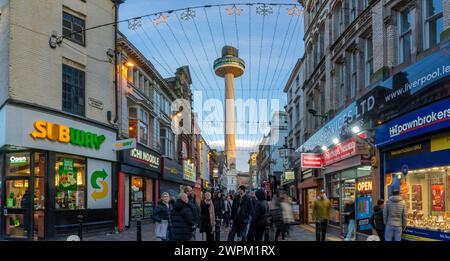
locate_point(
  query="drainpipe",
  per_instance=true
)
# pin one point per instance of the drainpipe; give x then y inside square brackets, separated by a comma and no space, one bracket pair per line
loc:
[117,3]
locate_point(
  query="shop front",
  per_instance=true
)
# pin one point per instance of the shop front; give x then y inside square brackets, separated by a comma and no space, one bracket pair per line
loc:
[345,166]
[138,184]
[172,178]
[415,159]
[309,190]
[53,169]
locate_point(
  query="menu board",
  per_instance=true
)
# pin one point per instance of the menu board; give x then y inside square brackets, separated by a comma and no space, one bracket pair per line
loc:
[363,212]
[438,194]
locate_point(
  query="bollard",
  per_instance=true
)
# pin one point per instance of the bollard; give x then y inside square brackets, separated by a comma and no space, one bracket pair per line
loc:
[217,229]
[80,226]
[138,230]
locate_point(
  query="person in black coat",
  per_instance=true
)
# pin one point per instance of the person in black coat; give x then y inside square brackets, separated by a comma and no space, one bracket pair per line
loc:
[240,214]
[208,217]
[183,223]
[194,206]
[163,212]
[219,206]
[276,213]
[260,217]
[377,219]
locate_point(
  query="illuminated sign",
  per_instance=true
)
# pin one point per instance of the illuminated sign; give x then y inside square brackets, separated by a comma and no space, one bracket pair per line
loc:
[364,186]
[146,157]
[17,160]
[189,171]
[65,134]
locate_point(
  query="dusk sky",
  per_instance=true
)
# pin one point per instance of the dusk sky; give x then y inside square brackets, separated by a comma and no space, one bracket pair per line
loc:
[270,46]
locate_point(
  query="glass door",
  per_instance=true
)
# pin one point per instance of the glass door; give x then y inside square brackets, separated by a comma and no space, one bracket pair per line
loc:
[40,163]
[17,199]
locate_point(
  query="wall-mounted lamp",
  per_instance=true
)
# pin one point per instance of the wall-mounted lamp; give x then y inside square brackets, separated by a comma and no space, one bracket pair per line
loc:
[314,113]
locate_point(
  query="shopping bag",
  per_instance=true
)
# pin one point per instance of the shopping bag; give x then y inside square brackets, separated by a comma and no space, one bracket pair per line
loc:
[161,229]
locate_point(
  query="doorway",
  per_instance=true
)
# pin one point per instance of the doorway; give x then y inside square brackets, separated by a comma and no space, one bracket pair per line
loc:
[23,195]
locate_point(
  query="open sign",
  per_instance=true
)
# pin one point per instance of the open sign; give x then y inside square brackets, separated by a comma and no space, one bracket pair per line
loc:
[364,186]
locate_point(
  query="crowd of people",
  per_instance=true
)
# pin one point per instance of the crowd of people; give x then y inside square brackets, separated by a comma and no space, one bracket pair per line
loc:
[244,215]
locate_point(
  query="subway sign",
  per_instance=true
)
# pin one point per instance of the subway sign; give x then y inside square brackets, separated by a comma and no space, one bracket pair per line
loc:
[65,134]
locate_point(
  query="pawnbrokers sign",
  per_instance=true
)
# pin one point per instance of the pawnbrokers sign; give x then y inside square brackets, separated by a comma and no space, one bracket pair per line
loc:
[427,119]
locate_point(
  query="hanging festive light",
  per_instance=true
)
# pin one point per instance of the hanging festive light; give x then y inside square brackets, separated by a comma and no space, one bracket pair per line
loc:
[134,24]
[188,15]
[264,10]
[295,11]
[234,11]
[161,19]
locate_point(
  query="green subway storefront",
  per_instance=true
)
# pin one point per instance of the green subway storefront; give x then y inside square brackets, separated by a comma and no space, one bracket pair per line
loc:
[53,168]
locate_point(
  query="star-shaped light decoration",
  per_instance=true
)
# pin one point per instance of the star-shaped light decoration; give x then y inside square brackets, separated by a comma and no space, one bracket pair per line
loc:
[295,11]
[161,19]
[134,24]
[188,15]
[234,11]
[264,10]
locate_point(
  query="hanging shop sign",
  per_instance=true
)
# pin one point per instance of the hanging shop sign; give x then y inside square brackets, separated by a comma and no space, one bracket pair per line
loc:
[189,171]
[364,186]
[125,144]
[311,160]
[289,175]
[172,170]
[99,184]
[65,134]
[440,143]
[431,118]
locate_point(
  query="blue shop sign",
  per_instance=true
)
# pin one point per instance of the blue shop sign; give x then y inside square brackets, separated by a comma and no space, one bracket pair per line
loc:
[428,119]
[424,234]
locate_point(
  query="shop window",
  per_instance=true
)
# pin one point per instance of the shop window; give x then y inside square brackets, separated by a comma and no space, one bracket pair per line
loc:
[18,164]
[143,127]
[426,195]
[70,182]
[368,60]
[433,22]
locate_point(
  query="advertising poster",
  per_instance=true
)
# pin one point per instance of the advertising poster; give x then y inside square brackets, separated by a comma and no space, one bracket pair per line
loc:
[437,194]
[363,212]
[417,197]
[189,171]
[67,176]
[99,184]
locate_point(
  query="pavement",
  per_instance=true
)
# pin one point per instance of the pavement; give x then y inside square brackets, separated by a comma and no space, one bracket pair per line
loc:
[296,233]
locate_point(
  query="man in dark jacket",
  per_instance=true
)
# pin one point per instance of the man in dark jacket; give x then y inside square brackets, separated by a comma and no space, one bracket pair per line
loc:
[219,206]
[240,214]
[183,224]
[377,219]
[195,208]
[260,217]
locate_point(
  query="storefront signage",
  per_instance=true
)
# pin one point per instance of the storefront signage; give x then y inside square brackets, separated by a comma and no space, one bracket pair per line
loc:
[151,160]
[189,171]
[311,160]
[438,197]
[125,144]
[64,134]
[339,152]
[67,176]
[172,171]
[99,184]
[409,150]
[431,118]
[425,234]
[440,143]
[17,160]
[289,175]
[364,186]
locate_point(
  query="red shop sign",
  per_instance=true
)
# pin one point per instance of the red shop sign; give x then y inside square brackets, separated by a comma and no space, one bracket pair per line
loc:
[311,160]
[339,152]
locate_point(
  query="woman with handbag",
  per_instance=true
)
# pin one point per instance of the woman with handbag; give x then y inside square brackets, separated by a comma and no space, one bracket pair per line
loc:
[162,218]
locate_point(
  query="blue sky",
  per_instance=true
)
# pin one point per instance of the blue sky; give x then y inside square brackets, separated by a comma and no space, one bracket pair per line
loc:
[270,52]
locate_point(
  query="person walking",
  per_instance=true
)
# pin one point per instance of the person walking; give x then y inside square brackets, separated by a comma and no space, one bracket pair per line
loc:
[219,206]
[162,214]
[377,219]
[208,217]
[228,205]
[288,215]
[183,221]
[261,214]
[276,212]
[350,220]
[321,213]
[394,216]
[240,214]
[194,207]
